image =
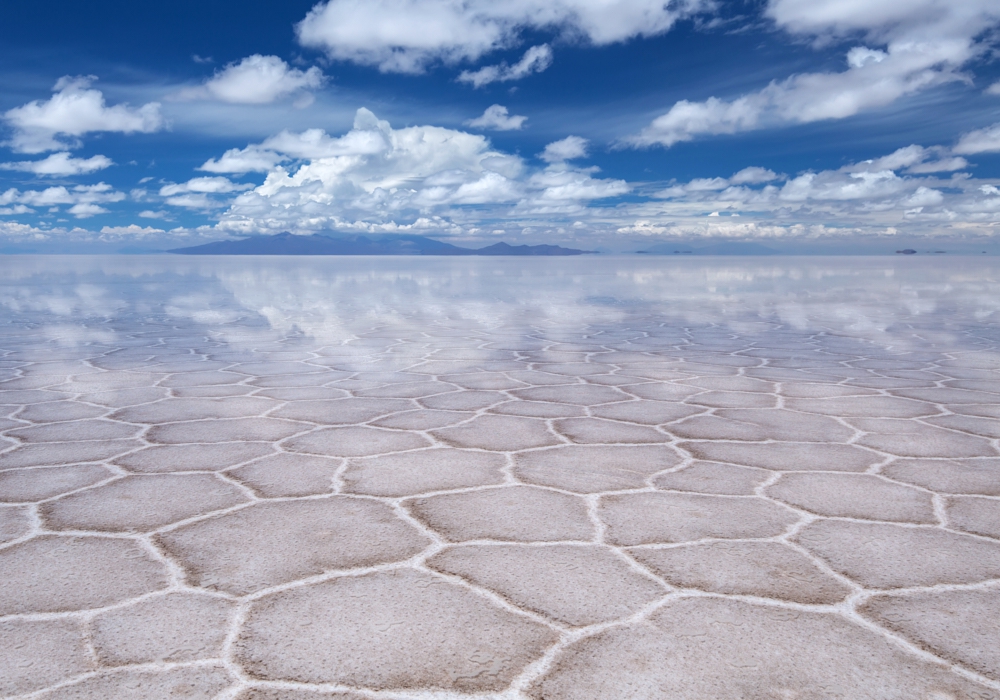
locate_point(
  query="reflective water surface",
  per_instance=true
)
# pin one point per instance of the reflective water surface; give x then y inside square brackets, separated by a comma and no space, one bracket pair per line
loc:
[595,477]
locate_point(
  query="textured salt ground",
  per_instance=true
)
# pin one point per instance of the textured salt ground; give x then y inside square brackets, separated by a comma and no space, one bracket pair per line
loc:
[626,509]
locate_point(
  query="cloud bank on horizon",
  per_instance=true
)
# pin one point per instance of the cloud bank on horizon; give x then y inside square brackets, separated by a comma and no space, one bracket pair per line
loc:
[535,121]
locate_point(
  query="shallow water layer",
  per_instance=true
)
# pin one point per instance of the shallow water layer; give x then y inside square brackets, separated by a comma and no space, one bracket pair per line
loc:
[597,477]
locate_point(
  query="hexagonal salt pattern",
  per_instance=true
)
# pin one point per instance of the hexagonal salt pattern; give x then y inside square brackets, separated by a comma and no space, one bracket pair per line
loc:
[294,499]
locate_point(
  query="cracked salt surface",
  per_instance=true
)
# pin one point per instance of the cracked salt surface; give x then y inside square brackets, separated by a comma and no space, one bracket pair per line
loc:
[276,479]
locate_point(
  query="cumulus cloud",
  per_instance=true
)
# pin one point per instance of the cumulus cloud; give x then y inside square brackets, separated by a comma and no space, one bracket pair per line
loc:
[993,89]
[252,159]
[74,110]
[61,164]
[535,60]
[496,117]
[84,200]
[926,44]
[406,35]
[420,179]
[131,231]
[753,176]
[569,148]
[195,193]
[916,159]
[985,140]
[257,80]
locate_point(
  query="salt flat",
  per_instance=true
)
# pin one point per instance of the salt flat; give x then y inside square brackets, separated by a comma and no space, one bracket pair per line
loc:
[422,478]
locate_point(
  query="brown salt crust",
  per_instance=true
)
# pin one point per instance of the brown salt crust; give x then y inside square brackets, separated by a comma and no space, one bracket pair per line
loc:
[59,411]
[599,431]
[420,419]
[289,475]
[498,433]
[645,412]
[574,584]
[303,393]
[806,390]
[656,391]
[170,410]
[980,516]
[174,627]
[650,518]
[190,682]
[538,409]
[52,573]
[593,468]
[575,394]
[960,626]
[247,550]
[283,694]
[343,411]
[463,400]
[181,458]
[83,430]
[762,424]
[141,503]
[410,473]
[698,648]
[395,630]
[405,390]
[875,406]
[861,496]
[356,441]
[713,478]
[483,380]
[985,427]
[885,556]
[511,513]
[38,483]
[185,378]
[38,653]
[971,476]
[732,383]
[14,523]
[225,430]
[734,399]
[765,569]
[787,456]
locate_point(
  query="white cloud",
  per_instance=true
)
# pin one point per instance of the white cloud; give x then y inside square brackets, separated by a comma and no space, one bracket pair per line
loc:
[207,185]
[535,60]
[496,117]
[150,214]
[985,140]
[405,35]
[993,89]
[251,159]
[84,200]
[61,164]
[915,159]
[421,178]
[569,148]
[85,210]
[926,44]
[753,175]
[256,80]
[195,193]
[74,110]
[131,231]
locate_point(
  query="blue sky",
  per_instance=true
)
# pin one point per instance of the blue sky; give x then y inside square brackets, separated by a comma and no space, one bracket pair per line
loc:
[812,125]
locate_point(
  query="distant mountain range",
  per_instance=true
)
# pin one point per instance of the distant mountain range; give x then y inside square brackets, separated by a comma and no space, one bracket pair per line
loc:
[319,244]
[728,248]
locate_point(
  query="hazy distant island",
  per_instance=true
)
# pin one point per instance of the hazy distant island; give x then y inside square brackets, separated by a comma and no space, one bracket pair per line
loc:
[725,248]
[320,244]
